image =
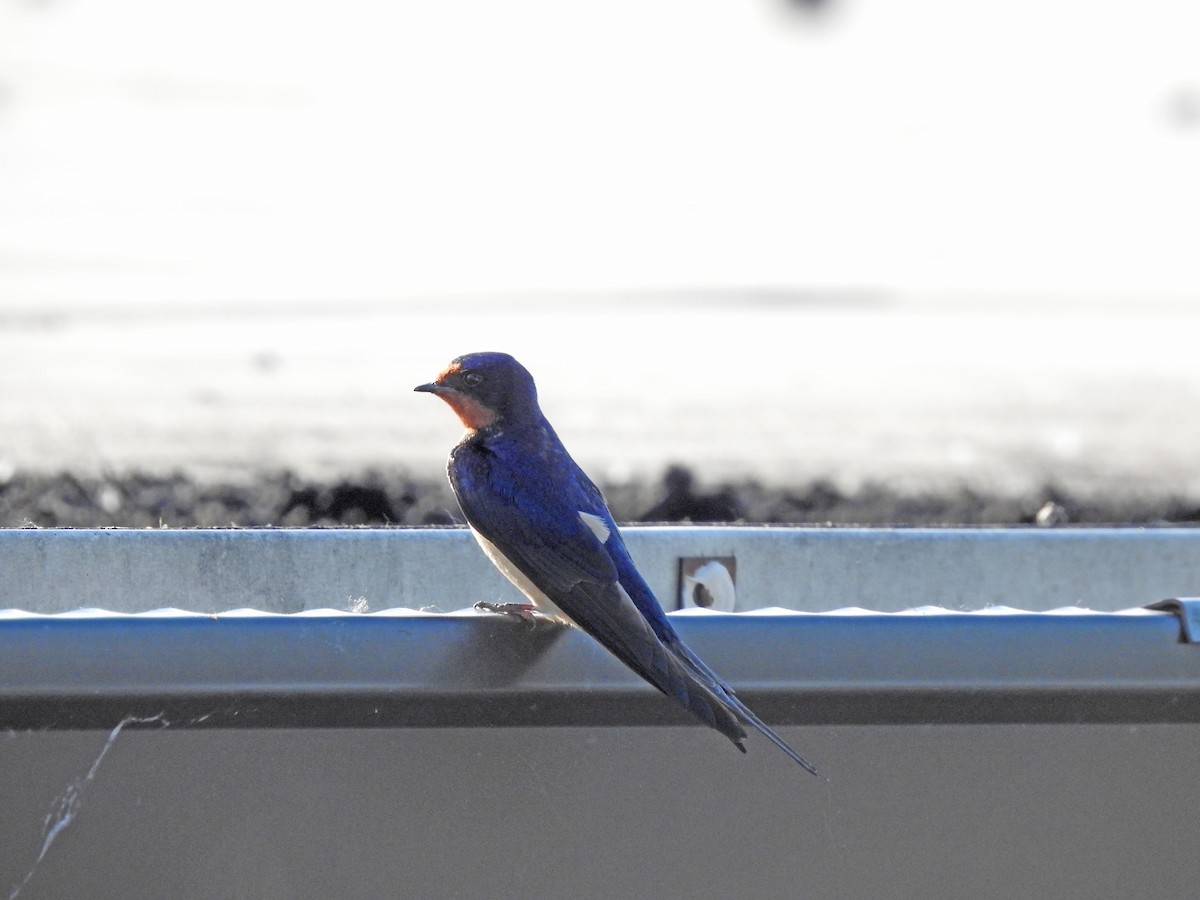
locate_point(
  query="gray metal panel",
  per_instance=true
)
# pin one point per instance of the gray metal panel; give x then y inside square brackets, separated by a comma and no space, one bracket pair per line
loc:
[283,570]
[955,811]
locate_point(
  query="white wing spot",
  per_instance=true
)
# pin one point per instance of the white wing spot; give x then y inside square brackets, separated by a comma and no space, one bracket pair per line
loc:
[596,524]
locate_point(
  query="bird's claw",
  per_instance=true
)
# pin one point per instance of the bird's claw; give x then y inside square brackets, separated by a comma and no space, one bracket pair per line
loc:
[526,612]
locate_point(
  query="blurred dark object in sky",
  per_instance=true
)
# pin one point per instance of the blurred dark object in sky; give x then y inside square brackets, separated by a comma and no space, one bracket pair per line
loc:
[1183,107]
[808,6]
[806,14]
[135,500]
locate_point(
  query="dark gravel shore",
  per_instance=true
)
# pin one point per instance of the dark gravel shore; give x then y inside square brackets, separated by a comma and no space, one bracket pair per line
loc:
[395,498]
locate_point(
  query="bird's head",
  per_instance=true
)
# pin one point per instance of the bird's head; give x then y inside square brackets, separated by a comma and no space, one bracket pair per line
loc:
[485,388]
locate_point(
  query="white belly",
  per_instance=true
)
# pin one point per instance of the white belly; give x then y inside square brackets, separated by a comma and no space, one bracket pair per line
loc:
[544,604]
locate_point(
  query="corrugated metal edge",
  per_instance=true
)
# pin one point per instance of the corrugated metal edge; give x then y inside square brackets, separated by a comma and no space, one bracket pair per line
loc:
[773,611]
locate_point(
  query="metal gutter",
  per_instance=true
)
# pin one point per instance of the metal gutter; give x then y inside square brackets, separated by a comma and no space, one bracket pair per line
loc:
[410,670]
[221,752]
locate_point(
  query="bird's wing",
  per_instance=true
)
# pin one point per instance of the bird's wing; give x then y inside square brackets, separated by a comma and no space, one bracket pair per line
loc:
[534,524]
[540,526]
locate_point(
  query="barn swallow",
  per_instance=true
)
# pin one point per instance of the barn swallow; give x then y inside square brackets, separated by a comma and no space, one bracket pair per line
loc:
[544,524]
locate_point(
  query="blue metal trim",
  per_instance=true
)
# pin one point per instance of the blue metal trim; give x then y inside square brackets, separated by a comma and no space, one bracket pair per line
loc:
[383,671]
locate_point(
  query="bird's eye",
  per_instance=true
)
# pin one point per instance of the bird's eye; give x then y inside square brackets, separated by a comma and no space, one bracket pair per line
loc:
[472,378]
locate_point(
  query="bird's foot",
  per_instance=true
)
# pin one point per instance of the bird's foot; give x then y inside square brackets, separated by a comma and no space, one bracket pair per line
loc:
[526,612]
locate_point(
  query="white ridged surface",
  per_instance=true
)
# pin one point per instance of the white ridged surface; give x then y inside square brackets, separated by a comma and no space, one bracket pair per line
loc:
[850,611]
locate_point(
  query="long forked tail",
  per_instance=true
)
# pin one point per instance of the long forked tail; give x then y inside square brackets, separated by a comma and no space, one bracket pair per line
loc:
[607,613]
[751,719]
[725,693]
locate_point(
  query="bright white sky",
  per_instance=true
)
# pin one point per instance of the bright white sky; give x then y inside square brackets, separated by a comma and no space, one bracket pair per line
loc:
[999,204]
[269,149]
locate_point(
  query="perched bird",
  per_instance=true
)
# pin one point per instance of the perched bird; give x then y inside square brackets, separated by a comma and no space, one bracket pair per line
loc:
[544,524]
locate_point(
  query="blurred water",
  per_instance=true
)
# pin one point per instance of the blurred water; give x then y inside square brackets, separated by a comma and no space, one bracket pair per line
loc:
[918,393]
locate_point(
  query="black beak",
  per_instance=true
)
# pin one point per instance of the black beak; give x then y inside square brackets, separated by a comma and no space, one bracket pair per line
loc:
[432,388]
